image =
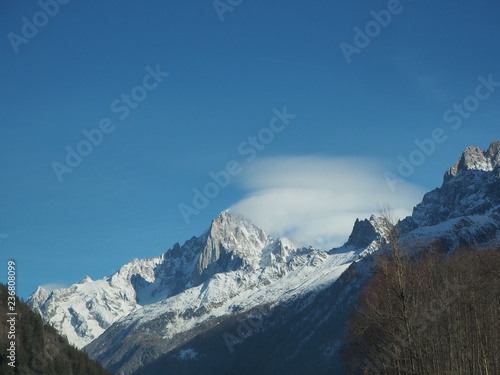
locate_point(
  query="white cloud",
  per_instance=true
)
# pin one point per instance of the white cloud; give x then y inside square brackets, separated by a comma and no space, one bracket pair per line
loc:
[314,200]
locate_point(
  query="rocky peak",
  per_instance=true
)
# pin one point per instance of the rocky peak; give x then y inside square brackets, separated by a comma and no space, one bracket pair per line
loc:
[85,280]
[232,240]
[470,187]
[365,232]
[235,232]
[38,298]
[494,151]
[474,158]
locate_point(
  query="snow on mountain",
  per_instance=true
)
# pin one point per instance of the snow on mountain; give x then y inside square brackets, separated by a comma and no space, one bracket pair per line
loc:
[85,310]
[465,210]
[233,266]
[261,273]
[304,333]
[153,306]
[473,158]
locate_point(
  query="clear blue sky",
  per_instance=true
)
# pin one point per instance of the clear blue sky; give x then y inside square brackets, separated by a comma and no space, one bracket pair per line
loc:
[227,72]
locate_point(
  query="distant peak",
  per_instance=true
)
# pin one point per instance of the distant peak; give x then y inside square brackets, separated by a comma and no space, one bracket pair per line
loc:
[474,158]
[285,244]
[232,239]
[229,220]
[494,150]
[41,291]
[38,298]
[85,280]
[363,233]
[225,215]
[228,215]
[40,288]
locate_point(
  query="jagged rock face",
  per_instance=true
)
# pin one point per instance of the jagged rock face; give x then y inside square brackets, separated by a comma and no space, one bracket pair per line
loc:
[159,307]
[150,306]
[465,210]
[231,243]
[362,234]
[85,310]
[470,187]
[241,268]
[304,334]
[473,158]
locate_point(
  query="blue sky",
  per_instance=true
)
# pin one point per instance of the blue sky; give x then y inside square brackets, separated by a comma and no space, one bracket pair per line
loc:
[326,130]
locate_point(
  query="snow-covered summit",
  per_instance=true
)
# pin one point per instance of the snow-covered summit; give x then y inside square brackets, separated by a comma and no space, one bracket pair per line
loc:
[231,242]
[232,249]
[86,309]
[152,306]
[85,280]
[465,210]
[474,158]
[243,269]
[40,294]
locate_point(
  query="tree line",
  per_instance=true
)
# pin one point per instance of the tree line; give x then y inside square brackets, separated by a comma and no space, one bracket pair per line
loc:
[427,312]
[40,350]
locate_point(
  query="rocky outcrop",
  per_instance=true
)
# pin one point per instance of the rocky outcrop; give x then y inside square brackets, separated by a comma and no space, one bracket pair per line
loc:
[474,158]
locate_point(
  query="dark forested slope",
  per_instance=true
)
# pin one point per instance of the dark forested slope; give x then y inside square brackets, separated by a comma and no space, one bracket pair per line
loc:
[39,349]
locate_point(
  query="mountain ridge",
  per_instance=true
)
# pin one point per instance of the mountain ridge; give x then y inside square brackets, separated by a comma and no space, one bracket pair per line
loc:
[474,158]
[231,243]
[234,267]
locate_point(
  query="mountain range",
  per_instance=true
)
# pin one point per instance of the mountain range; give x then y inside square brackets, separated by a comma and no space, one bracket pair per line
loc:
[236,301]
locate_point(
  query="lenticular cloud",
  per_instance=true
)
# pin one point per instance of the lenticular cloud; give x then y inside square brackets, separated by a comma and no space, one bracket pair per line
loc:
[315,200]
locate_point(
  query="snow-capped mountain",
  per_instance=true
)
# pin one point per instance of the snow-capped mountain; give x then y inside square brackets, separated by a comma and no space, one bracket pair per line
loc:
[233,267]
[303,335]
[85,310]
[465,210]
[262,278]
[176,309]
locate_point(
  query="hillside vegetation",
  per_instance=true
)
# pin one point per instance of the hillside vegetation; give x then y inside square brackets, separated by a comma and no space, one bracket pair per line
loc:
[430,313]
[39,349]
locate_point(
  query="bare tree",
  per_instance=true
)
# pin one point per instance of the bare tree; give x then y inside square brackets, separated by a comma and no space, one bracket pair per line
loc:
[425,312]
